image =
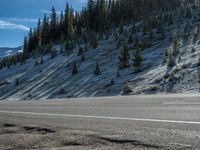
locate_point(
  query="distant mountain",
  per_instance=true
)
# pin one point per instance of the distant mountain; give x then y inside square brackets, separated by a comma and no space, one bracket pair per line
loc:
[7,51]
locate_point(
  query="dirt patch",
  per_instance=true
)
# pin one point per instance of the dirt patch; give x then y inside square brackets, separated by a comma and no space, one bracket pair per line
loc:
[9,125]
[132,142]
[35,137]
[38,130]
[71,143]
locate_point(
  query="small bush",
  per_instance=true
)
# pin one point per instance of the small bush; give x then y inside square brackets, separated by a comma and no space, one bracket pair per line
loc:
[61,91]
[127,89]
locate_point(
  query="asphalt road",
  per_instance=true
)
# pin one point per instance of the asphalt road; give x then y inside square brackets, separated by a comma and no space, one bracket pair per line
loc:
[169,121]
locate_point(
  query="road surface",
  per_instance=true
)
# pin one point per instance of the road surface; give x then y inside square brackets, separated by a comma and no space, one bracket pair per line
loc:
[140,122]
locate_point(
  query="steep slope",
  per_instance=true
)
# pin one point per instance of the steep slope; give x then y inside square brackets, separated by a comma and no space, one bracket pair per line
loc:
[170,47]
[54,79]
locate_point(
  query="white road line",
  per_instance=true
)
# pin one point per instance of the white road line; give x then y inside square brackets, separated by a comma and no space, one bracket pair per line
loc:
[102,117]
[180,103]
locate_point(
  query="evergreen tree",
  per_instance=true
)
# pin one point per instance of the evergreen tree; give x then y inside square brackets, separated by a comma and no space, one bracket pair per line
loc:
[171,59]
[97,70]
[45,31]
[93,40]
[74,69]
[130,39]
[82,57]
[70,24]
[25,45]
[41,60]
[53,53]
[30,42]
[195,35]
[38,34]
[36,61]
[170,20]
[198,64]
[53,25]
[118,74]
[66,22]
[17,82]
[188,13]
[124,58]
[80,51]
[91,15]
[112,82]
[137,60]
[175,46]
[133,29]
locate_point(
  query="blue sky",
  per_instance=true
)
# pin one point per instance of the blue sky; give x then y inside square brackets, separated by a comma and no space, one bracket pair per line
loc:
[17,16]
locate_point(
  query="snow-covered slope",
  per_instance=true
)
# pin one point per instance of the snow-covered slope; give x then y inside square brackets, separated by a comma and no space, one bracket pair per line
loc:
[54,79]
[6,51]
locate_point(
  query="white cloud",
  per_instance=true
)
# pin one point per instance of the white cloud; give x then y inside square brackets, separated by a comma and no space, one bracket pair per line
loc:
[9,25]
[22,19]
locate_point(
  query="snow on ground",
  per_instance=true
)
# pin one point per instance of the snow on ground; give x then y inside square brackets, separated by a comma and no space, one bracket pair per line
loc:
[54,79]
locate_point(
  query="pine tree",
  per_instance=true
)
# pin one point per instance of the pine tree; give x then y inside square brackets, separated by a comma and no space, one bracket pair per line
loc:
[90,7]
[82,57]
[112,82]
[17,82]
[97,70]
[38,34]
[198,64]
[133,28]
[41,60]
[170,20]
[53,53]
[102,15]
[195,35]
[118,74]
[130,39]
[137,60]
[124,58]
[25,45]
[53,24]
[80,51]
[30,42]
[93,40]
[74,69]
[175,46]
[36,61]
[188,13]
[171,59]
[66,22]
[70,24]
[61,22]
[45,31]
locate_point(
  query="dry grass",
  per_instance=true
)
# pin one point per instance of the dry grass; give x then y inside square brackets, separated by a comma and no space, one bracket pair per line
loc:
[14,137]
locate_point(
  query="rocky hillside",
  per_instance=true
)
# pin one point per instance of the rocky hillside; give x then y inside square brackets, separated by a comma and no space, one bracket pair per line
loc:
[53,78]
[156,54]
